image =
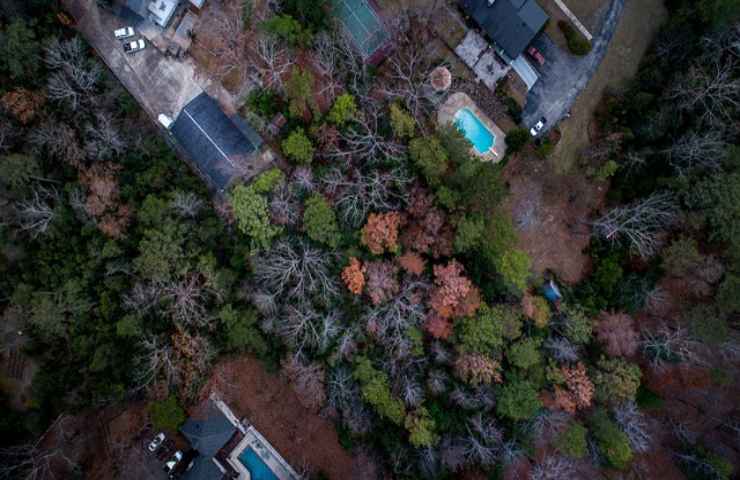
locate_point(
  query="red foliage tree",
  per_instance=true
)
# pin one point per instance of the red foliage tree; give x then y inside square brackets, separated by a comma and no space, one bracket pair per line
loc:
[475,368]
[353,276]
[617,332]
[412,263]
[381,232]
[454,294]
[580,390]
[382,281]
[428,230]
[438,326]
[103,199]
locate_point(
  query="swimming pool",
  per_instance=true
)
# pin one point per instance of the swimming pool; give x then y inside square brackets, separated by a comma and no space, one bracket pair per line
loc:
[474,130]
[258,470]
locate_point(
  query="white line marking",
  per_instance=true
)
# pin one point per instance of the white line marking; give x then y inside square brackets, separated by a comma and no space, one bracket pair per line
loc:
[208,137]
[574,19]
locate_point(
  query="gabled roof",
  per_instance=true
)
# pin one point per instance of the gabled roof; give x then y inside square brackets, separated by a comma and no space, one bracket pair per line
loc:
[203,469]
[209,434]
[512,24]
[213,141]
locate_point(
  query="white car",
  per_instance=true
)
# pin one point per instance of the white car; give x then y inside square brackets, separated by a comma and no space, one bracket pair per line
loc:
[156,442]
[534,131]
[135,46]
[125,32]
[170,464]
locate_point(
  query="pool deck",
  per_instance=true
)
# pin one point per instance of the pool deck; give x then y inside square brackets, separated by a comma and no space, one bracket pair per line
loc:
[456,101]
[258,443]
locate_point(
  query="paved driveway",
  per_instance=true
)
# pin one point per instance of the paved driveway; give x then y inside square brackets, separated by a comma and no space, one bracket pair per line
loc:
[564,76]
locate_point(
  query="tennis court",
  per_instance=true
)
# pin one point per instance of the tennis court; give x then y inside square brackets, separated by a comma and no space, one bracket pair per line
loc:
[363,24]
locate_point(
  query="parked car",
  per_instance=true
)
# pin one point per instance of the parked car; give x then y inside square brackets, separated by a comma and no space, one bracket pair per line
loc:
[536,55]
[537,128]
[156,442]
[135,46]
[170,464]
[125,32]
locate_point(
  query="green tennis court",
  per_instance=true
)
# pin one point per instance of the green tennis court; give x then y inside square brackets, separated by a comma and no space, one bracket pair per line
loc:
[363,24]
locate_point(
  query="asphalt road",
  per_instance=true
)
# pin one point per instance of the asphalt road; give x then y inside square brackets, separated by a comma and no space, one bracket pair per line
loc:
[564,76]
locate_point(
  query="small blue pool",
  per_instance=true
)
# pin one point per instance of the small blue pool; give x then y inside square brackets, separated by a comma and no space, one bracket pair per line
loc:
[474,130]
[257,468]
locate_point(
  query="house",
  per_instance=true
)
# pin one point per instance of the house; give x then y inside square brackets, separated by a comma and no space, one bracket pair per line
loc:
[511,24]
[227,448]
[161,11]
[221,147]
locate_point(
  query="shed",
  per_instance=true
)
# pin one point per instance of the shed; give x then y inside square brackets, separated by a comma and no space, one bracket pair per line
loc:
[511,24]
[221,147]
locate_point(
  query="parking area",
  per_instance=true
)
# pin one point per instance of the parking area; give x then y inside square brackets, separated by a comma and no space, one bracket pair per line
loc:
[564,76]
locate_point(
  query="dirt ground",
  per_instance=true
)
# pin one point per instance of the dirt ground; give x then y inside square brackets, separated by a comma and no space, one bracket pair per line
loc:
[640,21]
[303,438]
[549,210]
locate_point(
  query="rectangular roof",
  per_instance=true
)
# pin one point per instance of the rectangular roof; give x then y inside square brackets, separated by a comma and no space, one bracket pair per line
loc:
[217,145]
[512,24]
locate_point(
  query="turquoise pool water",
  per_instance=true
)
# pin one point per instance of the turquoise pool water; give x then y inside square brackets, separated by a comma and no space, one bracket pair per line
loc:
[474,130]
[257,468]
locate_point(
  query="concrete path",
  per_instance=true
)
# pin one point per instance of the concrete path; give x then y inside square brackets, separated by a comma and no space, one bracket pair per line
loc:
[574,19]
[564,76]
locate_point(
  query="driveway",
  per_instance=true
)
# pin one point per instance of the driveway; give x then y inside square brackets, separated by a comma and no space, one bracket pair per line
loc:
[564,76]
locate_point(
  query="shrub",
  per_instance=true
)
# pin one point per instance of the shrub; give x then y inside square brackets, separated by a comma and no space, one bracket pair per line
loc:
[298,147]
[577,43]
[167,414]
[516,139]
[343,110]
[320,221]
[606,171]
[613,442]
[572,441]
[518,400]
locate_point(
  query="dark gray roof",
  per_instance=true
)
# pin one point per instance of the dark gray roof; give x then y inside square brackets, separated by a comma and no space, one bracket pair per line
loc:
[208,435]
[213,141]
[203,469]
[512,24]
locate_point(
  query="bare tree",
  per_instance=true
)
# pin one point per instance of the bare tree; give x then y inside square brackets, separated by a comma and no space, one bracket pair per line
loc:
[143,297]
[188,298]
[273,60]
[635,425]
[36,213]
[554,468]
[340,63]
[157,359]
[639,224]
[285,205]
[437,382]
[669,345]
[307,379]
[303,328]
[704,151]
[226,40]
[74,78]
[59,139]
[186,204]
[483,441]
[103,139]
[562,349]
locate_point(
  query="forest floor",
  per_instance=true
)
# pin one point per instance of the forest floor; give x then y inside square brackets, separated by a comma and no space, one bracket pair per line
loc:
[639,24]
[302,437]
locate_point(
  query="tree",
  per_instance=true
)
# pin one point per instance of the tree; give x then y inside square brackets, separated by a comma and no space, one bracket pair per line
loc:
[634,424]
[412,263]
[718,196]
[728,299]
[612,442]
[343,110]
[253,216]
[287,29]
[380,233]
[161,251]
[403,124]
[572,441]
[516,139]
[577,325]
[525,353]
[382,281]
[537,309]
[241,331]
[307,379]
[617,332]
[17,170]
[514,268]
[19,50]
[299,90]
[167,414]
[430,157]
[639,224]
[616,380]
[298,147]
[376,390]
[353,276]
[580,389]
[454,294]
[36,213]
[476,369]
[469,233]
[518,400]
[482,333]
[421,428]
[682,256]
[320,222]
[74,78]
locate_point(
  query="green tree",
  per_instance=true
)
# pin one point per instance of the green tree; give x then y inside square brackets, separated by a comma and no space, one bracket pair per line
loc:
[129,326]
[612,442]
[707,324]
[241,330]
[719,199]
[525,353]
[500,237]
[376,390]
[470,232]
[320,221]
[578,327]
[288,29]
[518,400]
[616,380]
[266,181]
[253,216]
[161,251]
[682,256]
[516,140]
[299,90]
[719,12]
[167,414]
[728,295]
[572,441]
[17,170]
[343,110]
[421,428]
[514,267]
[311,13]
[20,51]
[429,157]
[482,333]
[298,147]
[402,123]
